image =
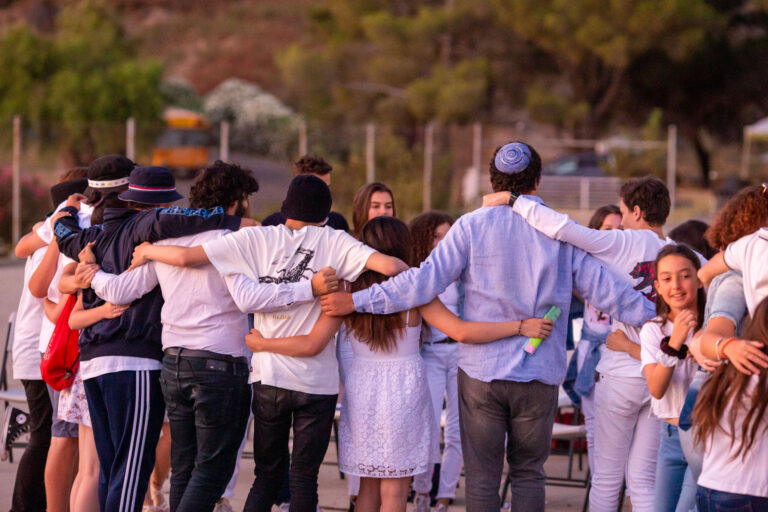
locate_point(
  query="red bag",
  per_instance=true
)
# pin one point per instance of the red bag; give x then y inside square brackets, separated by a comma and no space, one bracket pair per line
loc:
[62,357]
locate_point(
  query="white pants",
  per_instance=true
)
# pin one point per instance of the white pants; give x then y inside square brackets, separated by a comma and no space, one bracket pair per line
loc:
[626,443]
[441,361]
[587,409]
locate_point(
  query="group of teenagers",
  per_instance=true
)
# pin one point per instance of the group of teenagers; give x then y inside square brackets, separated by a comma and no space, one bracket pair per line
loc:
[193,320]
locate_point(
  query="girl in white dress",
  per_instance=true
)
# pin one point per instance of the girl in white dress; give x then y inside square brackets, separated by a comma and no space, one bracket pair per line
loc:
[386,432]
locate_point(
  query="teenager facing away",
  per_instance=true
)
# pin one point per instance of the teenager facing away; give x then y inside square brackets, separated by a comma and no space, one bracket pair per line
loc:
[440,354]
[669,368]
[594,331]
[120,357]
[29,487]
[746,255]
[387,393]
[507,269]
[627,434]
[732,425]
[205,371]
[371,200]
[316,166]
[288,391]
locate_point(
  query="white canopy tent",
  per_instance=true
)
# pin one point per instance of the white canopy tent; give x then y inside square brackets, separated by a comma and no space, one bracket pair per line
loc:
[758,130]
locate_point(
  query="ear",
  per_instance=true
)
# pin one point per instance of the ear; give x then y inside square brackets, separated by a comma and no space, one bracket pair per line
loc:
[637,212]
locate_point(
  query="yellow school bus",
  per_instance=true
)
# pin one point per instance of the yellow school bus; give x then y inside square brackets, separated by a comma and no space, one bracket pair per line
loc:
[183,146]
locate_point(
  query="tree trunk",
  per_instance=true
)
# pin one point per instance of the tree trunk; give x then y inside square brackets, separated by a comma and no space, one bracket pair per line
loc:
[702,155]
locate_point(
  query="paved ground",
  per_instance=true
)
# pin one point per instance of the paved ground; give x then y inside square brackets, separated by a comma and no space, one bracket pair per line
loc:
[333,493]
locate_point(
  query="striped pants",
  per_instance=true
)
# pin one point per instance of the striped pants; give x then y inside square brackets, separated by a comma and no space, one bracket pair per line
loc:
[127,410]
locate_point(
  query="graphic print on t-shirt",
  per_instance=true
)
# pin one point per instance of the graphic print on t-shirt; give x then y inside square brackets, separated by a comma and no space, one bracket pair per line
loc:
[644,270]
[295,274]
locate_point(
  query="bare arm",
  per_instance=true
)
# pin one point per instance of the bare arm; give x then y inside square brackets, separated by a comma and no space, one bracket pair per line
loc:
[746,355]
[44,273]
[82,318]
[619,342]
[713,268]
[436,314]
[387,265]
[169,254]
[53,310]
[658,377]
[307,345]
[29,243]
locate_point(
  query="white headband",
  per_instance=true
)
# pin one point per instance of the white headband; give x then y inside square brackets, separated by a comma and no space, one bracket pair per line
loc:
[108,183]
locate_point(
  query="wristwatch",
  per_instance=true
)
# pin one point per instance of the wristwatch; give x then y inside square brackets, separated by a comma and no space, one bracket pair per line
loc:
[512,198]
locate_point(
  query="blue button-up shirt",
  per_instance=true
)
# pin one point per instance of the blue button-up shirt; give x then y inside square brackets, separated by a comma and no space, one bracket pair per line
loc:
[509,271]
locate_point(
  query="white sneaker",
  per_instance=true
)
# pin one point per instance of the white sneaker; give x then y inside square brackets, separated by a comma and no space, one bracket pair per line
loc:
[440,508]
[420,503]
[223,505]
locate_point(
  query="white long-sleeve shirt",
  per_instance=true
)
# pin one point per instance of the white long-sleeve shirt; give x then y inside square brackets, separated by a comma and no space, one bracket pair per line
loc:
[627,253]
[202,310]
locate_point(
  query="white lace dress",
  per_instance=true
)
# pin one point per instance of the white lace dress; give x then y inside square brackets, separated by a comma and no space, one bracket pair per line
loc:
[386,428]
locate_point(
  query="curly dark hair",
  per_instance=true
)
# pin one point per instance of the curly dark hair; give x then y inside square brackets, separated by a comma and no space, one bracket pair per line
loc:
[519,183]
[389,236]
[422,234]
[741,215]
[596,222]
[651,195]
[312,164]
[222,184]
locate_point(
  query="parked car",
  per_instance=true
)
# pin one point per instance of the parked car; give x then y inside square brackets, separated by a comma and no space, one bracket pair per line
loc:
[588,164]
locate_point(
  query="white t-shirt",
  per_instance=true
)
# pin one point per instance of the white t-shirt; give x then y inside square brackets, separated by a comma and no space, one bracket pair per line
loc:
[29,319]
[201,310]
[669,405]
[277,254]
[45,232]
[749,255]
[450,298]
[722,471]
[629,254]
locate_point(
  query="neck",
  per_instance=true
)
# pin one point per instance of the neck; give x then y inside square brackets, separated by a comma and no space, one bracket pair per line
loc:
[294,224]
[656,229]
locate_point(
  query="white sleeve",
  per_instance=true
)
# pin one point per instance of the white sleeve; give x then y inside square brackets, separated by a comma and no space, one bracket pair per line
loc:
[650,347]
[236,253]
[45,232]
[607,244]
[126,287]
[253,297]
[736,253]
[353,255]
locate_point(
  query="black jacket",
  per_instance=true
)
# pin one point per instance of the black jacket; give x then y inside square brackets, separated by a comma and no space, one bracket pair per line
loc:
[137,332]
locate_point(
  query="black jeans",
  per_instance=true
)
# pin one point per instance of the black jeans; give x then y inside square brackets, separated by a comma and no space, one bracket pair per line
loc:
[274,410]
[207,403]
[29,489]
[525,413]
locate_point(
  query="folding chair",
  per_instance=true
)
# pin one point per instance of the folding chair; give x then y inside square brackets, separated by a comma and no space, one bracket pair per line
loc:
[10,396]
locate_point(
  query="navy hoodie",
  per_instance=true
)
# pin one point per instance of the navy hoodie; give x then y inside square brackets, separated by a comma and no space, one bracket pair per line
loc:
[137,332]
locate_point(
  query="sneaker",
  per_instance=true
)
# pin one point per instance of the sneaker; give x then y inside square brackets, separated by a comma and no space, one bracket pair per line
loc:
[440,508]
[15,423]
[284,507]
[421,503]
[223,505]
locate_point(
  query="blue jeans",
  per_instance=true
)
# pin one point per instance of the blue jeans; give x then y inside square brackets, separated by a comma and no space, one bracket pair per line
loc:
[675,487]
[207,401]
[127,412]
[709,500]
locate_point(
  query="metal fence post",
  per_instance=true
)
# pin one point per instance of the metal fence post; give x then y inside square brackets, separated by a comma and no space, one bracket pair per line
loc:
[370,152]
[16,187]
[429,148]
[302,138]
[130,138]
[224,142]
[672,163]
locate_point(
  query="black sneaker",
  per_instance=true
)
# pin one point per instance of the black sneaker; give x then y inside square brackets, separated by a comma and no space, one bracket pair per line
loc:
[15,423]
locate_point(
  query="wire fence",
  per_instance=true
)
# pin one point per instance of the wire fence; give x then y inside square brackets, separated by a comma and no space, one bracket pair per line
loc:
[433,166]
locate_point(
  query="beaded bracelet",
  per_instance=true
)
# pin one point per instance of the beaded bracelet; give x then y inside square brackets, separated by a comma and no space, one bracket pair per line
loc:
[725,344]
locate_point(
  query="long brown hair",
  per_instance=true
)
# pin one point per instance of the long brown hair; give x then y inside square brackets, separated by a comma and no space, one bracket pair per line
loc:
[423,232]
[389,236]
[362,203]
[662,309]
[728,386]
